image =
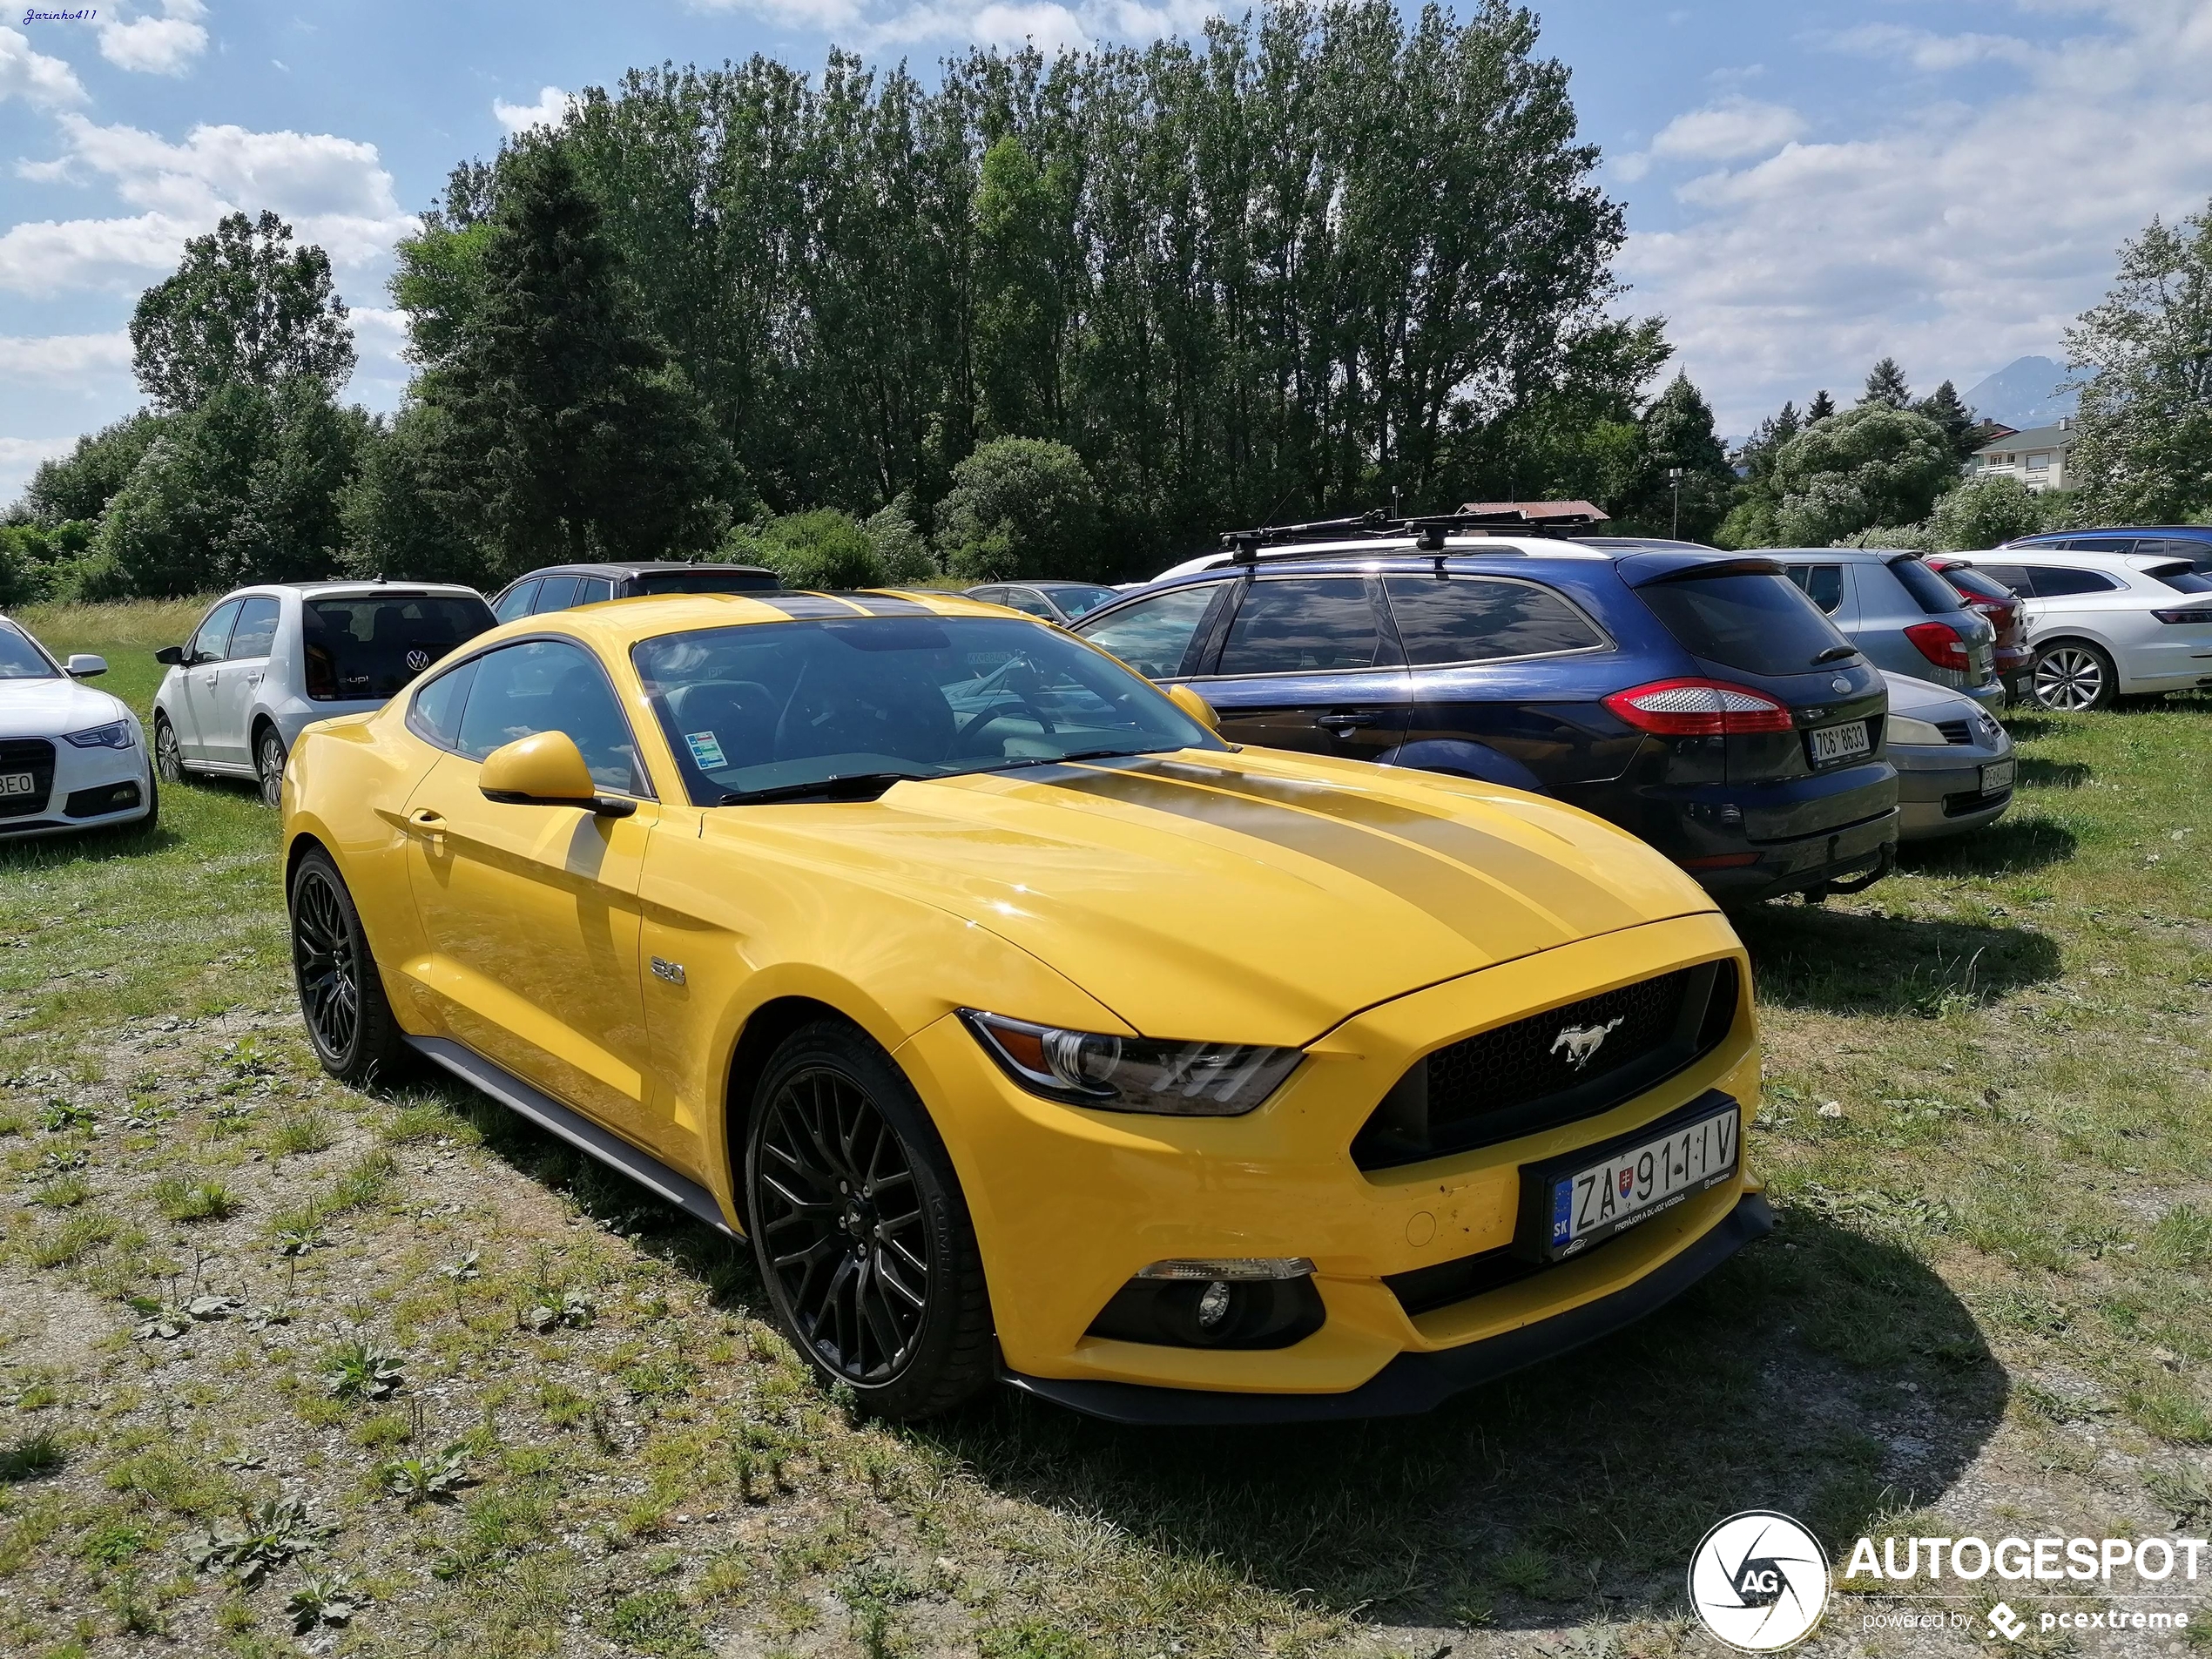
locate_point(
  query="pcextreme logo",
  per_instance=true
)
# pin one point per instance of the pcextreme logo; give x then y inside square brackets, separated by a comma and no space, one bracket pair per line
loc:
[1759,1580]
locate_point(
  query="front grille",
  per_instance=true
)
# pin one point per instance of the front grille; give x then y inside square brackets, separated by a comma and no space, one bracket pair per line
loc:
[1516,1079]
[1955,730]
[35,756]
[1960,805]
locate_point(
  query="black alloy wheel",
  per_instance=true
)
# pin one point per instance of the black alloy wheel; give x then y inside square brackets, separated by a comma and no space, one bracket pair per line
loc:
[168,753]
[859,1228]
[2070,679]
[269,766]
[341,995]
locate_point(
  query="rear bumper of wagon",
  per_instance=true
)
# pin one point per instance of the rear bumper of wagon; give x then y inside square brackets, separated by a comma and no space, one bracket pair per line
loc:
[1419,1382]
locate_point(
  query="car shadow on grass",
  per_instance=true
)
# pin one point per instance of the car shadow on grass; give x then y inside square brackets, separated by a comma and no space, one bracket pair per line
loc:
[2036,773]
[1575,1491]
[2011,846]
[87,847]
[1841,962]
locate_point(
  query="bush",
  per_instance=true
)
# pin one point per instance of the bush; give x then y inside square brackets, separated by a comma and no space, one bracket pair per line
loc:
[1749,524]
[37,563]
[1020,507]
[1983,512]
[899,547]
[823,549]
[1868,468]
[80,484]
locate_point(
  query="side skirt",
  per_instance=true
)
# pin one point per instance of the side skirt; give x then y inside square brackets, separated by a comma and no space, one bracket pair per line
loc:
[579,1131]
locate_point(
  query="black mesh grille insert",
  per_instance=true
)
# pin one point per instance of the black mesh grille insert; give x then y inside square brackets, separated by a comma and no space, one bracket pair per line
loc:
[32,755]
[1553,1068]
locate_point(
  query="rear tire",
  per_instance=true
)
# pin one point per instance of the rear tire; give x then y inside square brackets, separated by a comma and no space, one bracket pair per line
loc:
[859,1228]
[168,753]
[268,765]
[2071,678]
[349,1020]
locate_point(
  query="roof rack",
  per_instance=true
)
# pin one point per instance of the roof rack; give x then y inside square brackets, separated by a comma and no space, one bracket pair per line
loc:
[1475,518]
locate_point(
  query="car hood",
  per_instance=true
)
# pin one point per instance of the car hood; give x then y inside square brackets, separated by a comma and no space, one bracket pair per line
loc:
[1256,897]
[48,708]
[1925,701]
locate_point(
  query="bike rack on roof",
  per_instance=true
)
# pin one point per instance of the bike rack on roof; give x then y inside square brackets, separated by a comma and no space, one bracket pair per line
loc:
[1476,518]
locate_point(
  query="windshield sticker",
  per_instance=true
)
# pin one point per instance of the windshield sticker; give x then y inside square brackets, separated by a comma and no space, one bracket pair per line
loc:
[706,749]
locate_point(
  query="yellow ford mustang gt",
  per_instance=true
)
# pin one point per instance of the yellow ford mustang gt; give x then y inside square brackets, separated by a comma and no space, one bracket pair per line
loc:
[1024,1027]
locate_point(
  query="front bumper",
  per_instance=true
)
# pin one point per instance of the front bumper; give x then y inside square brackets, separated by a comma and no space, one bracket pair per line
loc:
[1939,791]
[1068,1203]
[90,789]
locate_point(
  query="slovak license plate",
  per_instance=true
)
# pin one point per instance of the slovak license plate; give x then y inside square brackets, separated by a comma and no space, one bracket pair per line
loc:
[18,783]
[1996,777]
[1834,742]
[1639,1180]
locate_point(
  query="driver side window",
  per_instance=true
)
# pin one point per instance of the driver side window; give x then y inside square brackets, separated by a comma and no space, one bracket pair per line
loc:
[211,643]
[550,686]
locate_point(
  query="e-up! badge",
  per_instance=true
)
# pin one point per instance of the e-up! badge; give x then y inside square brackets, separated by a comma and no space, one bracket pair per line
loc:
[706,749]
[1759,1580]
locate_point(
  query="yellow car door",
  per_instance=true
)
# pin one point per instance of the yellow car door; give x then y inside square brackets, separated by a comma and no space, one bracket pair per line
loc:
[530,913]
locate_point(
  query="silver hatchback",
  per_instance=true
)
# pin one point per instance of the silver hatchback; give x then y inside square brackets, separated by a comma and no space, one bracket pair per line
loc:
[1904,617]
[268,660]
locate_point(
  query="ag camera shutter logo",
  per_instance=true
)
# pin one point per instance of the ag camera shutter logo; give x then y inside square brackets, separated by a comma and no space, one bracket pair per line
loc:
[1759,1580]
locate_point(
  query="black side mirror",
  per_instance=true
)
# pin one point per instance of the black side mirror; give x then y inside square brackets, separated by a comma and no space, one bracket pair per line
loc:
[170,656]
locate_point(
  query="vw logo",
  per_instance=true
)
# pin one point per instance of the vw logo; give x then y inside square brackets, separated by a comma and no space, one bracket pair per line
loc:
[418,659]
[1759,1580]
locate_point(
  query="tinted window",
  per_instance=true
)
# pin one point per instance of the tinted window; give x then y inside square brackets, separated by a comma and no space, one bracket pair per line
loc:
[2053,582]
[214,634]
[2014,576]
[2181,579]
[1762,624]
[436,711]
[704,582]
[555,593]
[20,660]
[786,704]
[1153,636]
[1303,624]
[1077,601]
[1979,585]
[371,646]
[1463,619]
[594,590]
[550,686]
[2104,544]
[1823,583]
[256,629]
[2199,554]
[1930,591]
[1031,602]
[515,602]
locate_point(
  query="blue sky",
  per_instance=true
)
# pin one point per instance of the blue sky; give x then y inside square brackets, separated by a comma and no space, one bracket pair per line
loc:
[1807,187]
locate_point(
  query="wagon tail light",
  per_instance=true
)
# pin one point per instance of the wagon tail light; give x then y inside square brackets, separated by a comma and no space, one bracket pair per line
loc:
[2200,613]
[1941,644]
[1690,708]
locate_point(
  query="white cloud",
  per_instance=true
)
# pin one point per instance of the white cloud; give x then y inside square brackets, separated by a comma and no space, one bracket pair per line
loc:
[19,458]
[1944,238]
[552,104]
[63,357]
[1049,24]
[168,44]
[332,191]
[1728,130]
[33,76]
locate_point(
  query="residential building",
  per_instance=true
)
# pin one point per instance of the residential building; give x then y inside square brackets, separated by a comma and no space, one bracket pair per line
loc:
[2039,457]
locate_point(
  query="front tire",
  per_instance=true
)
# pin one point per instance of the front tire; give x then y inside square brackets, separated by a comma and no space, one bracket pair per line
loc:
[168,753]
[342,995]
[859,1228]
[269,766]
[2071,678]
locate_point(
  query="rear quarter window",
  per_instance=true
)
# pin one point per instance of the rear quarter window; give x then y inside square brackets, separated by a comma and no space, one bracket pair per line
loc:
[1930,591]
[1762,624]
[2060,582]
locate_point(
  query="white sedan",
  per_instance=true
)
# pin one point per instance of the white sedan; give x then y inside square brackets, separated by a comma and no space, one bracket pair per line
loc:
[70,758]
[2105,625]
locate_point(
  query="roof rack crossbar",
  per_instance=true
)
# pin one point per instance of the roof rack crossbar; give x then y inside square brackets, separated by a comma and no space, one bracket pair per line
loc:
[1536,517]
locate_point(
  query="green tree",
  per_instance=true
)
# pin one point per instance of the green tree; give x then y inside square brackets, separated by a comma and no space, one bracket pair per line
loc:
[1987,512]
[1886,388]
[2145,451]
[567,430]
[1821,408]
[1020,507]
[823,549]
[1948,410]
[80,484]
[1870,467]
[1020,214]
[394,514]
[1677,431]
[244,306]
[900,547]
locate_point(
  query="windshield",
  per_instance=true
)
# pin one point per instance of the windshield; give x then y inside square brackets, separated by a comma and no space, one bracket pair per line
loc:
[370,647]
[20,660]
[1076,601]
[705,581]
[783,707]
[1761,624]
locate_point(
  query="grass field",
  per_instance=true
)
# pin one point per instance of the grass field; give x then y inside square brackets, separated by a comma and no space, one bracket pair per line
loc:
[273,1352]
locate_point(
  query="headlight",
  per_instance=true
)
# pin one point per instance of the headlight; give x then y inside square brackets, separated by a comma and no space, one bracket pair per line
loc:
[1905,729]
[1132,1074]
[116,735]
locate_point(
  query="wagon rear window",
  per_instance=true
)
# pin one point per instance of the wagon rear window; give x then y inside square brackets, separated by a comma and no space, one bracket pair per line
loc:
[1761,624]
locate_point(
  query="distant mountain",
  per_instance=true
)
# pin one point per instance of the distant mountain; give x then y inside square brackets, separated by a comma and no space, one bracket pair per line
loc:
[2023,393]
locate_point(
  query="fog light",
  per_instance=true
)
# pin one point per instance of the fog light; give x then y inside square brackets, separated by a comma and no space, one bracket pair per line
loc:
[1266,1303]
[1213,1306]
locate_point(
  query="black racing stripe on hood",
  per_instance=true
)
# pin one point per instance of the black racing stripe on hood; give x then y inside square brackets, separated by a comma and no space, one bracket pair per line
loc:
[1428,881]
[806,607]
[1576,899]
[887,604]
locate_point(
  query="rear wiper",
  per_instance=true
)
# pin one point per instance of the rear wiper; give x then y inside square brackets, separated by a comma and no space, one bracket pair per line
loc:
[1835,654]
[851,785]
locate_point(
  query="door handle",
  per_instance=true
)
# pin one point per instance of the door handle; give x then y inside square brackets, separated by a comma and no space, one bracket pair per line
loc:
[1351,720]
[431,826]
